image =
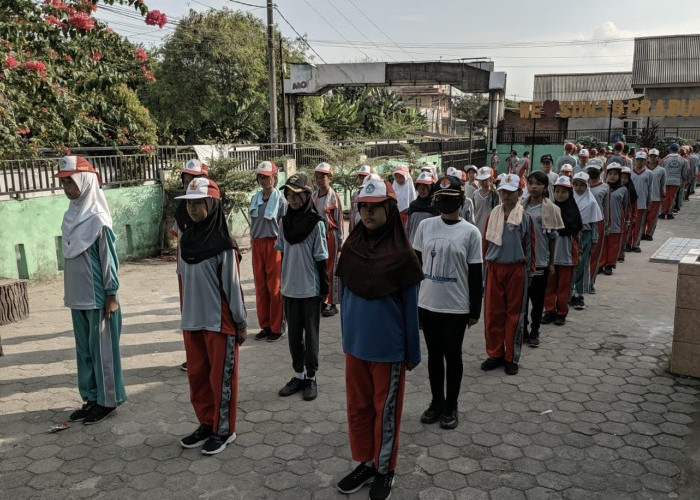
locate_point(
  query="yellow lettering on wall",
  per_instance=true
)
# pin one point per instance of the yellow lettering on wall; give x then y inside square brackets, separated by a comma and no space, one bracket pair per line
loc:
[659,108]
[536,110]
[696,111]
[674,108]
[604,109]
[589,109]
[645,107]
[687,107]
[564,109]
[618,109]
[576,109]
[632,107]
[525,109]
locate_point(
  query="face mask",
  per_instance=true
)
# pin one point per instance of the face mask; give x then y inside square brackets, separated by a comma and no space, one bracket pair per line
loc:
[447,205]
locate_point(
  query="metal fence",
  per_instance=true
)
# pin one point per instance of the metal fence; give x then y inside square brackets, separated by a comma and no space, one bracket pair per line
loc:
[125,166]
[511,136]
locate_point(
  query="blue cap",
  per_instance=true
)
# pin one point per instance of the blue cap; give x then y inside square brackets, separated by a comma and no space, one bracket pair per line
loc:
[674,147]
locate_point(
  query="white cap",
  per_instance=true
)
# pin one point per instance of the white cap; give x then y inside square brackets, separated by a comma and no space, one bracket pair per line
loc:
[581,176]
[566,167]
[625,170]
[266,168]
[595,165]
[640,154]
[454,172]
[654,151]
[484,173]
[403,170]
[195,167]
[563,181]
[583,152]
[425,178]
[375,190]
[364,170]
[324,168]
[471,167]
[509,182]
[614,166]
[200,187]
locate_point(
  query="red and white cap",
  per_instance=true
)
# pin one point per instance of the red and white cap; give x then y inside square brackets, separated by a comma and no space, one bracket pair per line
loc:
[566,168]
[69,165]
[195,167]
[453,172]
[581,176]
[324,168]
[563,181]
[484,173]
[653,151]
[509,182]
[625,170]
[584,152]
[266,168]
[375,191]
[614,166]
[425,178]
[364,171]
[641,155]
[403,170]
[201,187]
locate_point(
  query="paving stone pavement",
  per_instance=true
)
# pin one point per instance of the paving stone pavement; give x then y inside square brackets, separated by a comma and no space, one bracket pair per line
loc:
[592,413]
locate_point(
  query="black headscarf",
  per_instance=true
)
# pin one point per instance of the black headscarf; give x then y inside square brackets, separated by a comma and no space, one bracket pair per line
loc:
[379,263]
[208,238]
[423,205]
[182,218]
[631,190]
[298,224]
[571,216]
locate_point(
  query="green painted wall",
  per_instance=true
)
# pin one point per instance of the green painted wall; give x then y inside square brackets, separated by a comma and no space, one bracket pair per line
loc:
[36,223]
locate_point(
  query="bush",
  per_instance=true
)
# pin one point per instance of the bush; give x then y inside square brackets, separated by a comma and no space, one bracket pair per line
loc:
[663,143]
[590,142]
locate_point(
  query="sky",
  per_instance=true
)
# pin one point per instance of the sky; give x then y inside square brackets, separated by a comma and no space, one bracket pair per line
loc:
[521,38]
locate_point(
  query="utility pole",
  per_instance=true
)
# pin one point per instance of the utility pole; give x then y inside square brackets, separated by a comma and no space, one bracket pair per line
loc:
[274,139]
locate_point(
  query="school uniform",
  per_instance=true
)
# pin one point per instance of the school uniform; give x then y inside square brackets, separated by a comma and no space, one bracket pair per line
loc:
[482,208]
[657,194]
[415,217]
[331,209]
[565,160]
[566,258]
[467,212]
[616,219]
[508,266]
[601,192]
[674,166]
[591,216]
[265,216]
[643,182]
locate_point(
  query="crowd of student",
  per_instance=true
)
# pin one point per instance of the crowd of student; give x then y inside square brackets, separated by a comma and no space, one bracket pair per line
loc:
[419,255]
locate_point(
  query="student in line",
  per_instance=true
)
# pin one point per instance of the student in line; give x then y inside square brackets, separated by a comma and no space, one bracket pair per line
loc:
[329,207]
[509,252]
[567,158]
[485,198]
[361,176]
[590,216]
[658,194]
[405,191]
[630,214]
[379,280]
[675,168]
[422,207]
[213,317]
[304,285]
[472,184]
[266,210]
[546,219]
[643,181]
[467,205]
[601,192]
[566,254]
[90,285]
[450,296]
[193,169]
[616,216]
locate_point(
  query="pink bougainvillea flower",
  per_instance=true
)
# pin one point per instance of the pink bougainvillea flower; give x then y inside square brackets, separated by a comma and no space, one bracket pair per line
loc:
[96,56]
[11,62]
[23,131]
[82,21]
[141,54]
[56,22]
[37,67]
[156,17]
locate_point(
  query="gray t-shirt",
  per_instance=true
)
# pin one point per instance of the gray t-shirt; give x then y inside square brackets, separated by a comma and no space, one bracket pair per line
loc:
[300,278]
[674,166]
[542,236]
[260,227]
[482,208]
[642,184]
[658,183]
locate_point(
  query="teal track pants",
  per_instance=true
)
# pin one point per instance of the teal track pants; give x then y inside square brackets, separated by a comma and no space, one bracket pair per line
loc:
[97,351]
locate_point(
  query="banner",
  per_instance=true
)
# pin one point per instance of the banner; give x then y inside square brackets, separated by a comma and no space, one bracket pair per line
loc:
[631,108]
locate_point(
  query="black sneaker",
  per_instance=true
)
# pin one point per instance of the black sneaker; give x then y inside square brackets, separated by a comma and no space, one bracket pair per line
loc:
[511,368]
[650,237]
[197,438]
[97,414]
[492,363]
[183,366]
[274,337]
[83,412]
[357,479]
[636,249]
[534,340]
[216,444]
[263,334]
[628,248]
[580,304]
[432,414]
[592,290]
[547,318]
[662,216]
[310,389]
[293,386]
[329,311]
[560,320]
[670,216]
[449,419]
[607,270]
[381,486]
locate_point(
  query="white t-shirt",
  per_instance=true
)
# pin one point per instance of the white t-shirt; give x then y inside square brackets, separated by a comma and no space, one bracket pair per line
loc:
[447,250]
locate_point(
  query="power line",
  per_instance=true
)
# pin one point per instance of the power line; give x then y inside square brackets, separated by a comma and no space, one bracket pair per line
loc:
[248,4]
[379,29]
[303,39]
[358,30]
[334,28]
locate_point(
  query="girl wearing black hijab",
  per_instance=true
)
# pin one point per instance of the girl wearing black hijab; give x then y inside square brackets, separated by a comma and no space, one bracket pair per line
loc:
[379,282]
[618,206]
[213,317]
[566,254]
[631,216]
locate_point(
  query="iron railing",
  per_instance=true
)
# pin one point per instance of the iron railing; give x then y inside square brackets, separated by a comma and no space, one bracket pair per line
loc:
[511,136]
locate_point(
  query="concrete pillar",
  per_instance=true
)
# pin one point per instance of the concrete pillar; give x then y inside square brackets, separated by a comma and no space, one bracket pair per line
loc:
[290,118]
[685,350]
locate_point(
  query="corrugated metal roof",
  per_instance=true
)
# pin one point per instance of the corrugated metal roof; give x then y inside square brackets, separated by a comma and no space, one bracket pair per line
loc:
[583,87]
[666,61]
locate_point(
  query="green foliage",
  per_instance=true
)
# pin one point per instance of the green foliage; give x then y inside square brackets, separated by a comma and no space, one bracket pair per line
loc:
[474,108]
[648,136]
[663,143]
[212,81]
[590,142]
[413,155]
[67,80]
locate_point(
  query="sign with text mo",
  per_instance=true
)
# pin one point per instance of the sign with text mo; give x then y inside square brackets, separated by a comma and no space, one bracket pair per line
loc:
[631,108]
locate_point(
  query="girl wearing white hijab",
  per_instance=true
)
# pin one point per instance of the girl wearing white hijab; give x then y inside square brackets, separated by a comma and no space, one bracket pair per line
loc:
[90,290]
[590,215]
[405,191]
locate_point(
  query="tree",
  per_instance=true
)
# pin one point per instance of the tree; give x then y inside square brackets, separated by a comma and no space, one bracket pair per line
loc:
[212,80]
[69,80]
[474,108]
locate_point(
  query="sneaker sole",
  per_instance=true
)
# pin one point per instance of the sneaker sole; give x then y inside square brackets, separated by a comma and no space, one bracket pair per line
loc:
[307,398]
[100,420]
[276,339]
[393,480]
[355,490]
[221,448]
[195,445]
